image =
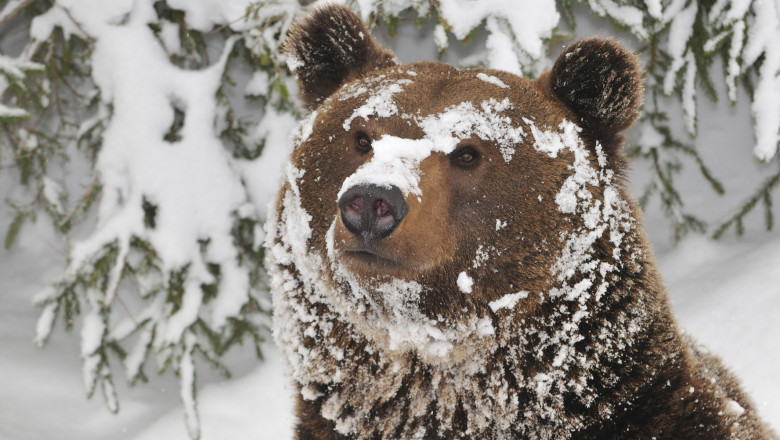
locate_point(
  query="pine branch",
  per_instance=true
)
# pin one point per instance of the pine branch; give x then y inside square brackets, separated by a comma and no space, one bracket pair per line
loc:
[762,194]
[14,227]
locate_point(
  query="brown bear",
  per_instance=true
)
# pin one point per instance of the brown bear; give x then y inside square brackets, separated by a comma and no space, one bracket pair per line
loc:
[453,254]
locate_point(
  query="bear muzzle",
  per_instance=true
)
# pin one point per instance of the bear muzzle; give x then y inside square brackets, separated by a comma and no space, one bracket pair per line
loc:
[372,212]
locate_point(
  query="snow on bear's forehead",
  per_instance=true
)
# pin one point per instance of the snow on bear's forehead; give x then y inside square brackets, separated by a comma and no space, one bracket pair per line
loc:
[396,160]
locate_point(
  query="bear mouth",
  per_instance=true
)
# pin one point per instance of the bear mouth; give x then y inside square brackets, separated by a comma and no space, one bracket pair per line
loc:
[369,257]
[369,262]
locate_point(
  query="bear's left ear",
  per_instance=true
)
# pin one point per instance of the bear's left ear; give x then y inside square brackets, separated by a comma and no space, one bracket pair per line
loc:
[328,48]
[601,81]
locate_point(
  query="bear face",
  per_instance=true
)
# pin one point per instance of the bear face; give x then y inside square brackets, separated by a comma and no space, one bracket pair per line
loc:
[454,253]
[451,183]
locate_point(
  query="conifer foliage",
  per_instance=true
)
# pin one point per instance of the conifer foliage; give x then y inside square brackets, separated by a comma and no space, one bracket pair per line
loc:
[142,95]
[151,133]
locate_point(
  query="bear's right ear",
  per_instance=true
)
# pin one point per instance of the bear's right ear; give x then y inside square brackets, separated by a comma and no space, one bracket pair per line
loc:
[329,47]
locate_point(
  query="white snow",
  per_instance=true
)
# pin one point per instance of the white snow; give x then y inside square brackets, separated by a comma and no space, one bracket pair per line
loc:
[680,32]
[193,175]
[169,34]
[734,408]
[45,323]
[137,355]
[258,405]
[762,39]
[500,47]
[492,80]
[649,138]
[194,182]
[465,120]
[689,94]
[485,327]
[176,325]
[53,193]
[293,63]
[396,161]
[14,68]
[733,65]
[530,21]
[508,301]
[465,282]
[379,102]
[672,9]
[187,373]
[737,9]
[12,112]
[9,8]
[92,333]
[626,15]
[552,142]
[204,15]
[264,174]
[440,37]
[258,84]
[654,8]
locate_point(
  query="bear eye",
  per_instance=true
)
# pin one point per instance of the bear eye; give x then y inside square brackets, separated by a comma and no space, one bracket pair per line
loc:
[466,157]
[362,142]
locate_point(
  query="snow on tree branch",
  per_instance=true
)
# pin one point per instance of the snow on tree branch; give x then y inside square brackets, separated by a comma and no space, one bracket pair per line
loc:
[14,71]
[528,23]
[762,40]
[175,220]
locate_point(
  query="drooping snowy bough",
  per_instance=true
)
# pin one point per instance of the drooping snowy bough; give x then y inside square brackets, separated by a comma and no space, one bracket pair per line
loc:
[454,255]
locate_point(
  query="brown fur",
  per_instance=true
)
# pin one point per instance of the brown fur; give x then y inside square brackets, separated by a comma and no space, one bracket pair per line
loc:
[601,361]
[602,82]
[334,48]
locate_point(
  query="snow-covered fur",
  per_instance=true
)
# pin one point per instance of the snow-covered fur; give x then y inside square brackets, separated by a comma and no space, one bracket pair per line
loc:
[454,255]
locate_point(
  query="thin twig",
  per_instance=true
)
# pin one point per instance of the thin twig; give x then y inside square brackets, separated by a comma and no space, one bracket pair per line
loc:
[87,196]
[78,25]
[56,250]
[127,310]
[138,324]
[226,25]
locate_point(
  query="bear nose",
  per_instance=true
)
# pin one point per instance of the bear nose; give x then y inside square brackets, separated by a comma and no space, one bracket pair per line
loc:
[372,211]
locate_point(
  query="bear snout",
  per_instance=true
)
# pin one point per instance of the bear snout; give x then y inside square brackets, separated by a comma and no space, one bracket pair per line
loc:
[372,212]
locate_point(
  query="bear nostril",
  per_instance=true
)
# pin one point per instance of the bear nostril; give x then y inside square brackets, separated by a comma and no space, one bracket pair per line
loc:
[381,208]
[371,211]
[357,205]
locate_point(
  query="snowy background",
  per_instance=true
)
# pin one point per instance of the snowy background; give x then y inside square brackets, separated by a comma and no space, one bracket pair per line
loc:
[725,293]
